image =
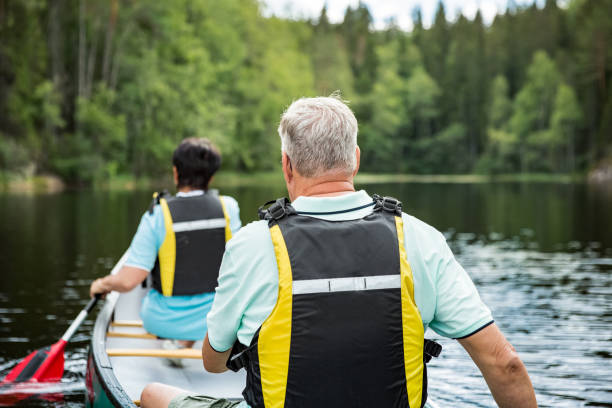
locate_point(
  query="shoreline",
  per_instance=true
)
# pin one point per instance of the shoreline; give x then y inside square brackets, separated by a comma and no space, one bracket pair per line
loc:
[49,184]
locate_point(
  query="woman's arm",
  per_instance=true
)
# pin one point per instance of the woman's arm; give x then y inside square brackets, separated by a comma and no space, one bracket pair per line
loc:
[125,280]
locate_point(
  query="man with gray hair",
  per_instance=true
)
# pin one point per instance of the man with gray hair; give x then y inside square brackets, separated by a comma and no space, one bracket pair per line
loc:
[325,301]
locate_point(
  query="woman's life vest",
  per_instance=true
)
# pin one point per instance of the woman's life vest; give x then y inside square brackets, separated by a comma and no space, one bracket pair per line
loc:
[345,331]
[197,228]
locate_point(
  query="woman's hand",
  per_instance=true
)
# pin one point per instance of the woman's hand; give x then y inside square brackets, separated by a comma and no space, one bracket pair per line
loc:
[125,280]
[99,287]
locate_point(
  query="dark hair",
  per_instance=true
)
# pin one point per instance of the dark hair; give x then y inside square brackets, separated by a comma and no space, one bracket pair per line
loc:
[196,160]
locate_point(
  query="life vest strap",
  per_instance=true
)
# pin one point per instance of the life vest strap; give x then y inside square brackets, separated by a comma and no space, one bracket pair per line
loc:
[431,349]
[157,196]
[239,356]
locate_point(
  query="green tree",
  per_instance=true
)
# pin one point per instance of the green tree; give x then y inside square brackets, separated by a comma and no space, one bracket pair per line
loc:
[501,105]
[465,99]
[380,137]
[360,45]
[29,104]
[533,109]
[501,154]
[592,65]
[435,45]
[565,123]
[403,109]
[332,70]
[422,100]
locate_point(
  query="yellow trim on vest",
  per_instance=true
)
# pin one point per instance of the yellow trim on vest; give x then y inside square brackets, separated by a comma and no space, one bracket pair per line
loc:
[167,252]
[412,326]
[228,230]
[275,333]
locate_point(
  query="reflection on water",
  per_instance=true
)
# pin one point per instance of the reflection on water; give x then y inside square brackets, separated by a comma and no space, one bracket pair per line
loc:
[540,255]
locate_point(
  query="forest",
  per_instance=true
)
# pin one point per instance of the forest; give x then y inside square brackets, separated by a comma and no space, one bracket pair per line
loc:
[92,90]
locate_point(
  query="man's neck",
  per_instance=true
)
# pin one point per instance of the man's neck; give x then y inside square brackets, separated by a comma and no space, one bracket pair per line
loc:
[328,189]
[321,187]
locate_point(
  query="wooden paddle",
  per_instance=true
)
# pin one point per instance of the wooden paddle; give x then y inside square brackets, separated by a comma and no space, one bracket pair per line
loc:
[47,364]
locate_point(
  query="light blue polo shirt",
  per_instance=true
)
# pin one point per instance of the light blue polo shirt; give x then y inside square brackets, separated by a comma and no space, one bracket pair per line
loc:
[248,279]
[176,317]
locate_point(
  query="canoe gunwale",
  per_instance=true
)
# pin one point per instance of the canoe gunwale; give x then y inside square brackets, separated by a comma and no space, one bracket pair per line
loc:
[102,364]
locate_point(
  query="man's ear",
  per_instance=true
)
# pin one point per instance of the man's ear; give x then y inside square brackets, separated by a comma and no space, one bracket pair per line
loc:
[287,168]
[357,160]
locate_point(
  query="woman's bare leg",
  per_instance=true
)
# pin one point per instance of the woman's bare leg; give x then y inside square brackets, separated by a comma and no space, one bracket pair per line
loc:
[186,343]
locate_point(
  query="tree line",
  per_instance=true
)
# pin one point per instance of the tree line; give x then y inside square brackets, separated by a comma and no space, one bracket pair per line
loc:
[94,89]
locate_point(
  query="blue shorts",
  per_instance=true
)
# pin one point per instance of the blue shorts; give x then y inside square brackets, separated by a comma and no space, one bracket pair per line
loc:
[176,317]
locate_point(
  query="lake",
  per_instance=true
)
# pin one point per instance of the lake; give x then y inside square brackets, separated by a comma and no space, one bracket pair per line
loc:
[539,253]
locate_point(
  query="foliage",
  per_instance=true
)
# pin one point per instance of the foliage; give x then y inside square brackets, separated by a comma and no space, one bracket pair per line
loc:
[95,89]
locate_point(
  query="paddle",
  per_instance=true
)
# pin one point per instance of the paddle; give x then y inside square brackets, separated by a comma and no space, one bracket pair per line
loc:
[47,364]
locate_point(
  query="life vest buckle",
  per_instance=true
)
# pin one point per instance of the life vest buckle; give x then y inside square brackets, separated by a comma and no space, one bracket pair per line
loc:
[431,349]
[388,204]
[157,196]
[277,210]
[239,356]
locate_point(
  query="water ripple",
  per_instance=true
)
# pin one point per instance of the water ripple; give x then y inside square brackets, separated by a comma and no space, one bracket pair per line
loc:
[553,307]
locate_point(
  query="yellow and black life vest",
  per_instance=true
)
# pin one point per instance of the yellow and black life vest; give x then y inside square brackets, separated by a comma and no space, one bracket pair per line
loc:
[345,331]
[197,228]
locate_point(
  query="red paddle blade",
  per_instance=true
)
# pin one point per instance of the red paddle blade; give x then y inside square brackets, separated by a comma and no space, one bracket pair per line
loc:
[43,365]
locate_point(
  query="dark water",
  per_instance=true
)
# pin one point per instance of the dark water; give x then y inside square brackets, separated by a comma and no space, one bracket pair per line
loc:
[540,254]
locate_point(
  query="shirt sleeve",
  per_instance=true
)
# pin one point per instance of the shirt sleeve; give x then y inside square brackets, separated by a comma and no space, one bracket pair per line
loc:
[247,287]
[146,242]
[224,317]
[459,310]
[233,211]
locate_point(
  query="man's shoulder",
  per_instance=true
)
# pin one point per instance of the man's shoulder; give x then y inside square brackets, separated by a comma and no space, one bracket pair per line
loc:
[249,236]
[420,229]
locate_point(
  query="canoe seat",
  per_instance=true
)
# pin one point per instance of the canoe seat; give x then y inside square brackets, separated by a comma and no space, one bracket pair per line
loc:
[126,323]
[131,335]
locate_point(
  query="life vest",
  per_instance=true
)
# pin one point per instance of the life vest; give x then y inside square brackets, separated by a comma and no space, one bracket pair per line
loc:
[345,330]
[197,228]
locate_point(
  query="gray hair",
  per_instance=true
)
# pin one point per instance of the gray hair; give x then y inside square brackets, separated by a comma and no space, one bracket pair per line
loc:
[319,135]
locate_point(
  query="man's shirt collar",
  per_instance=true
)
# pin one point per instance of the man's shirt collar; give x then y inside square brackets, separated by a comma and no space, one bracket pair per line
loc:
[331,204]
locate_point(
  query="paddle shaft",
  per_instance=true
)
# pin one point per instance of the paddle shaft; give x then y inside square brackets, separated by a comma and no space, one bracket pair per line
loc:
[79,319]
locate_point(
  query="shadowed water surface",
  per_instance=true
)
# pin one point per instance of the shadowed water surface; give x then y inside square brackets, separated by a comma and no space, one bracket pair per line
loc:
[540,255]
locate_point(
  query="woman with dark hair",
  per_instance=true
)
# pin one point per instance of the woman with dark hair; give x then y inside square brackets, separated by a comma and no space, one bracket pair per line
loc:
[180,242]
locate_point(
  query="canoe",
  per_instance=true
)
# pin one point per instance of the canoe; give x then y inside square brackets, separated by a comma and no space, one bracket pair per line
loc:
[123,358]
